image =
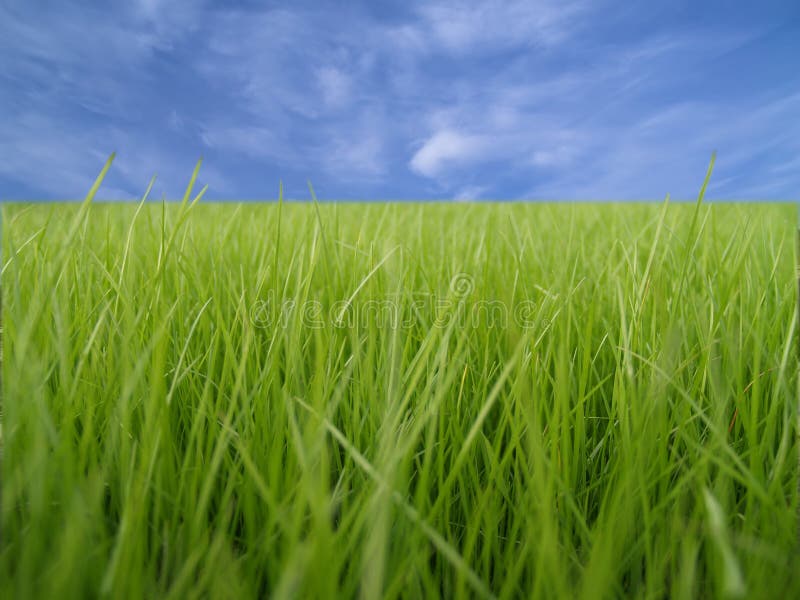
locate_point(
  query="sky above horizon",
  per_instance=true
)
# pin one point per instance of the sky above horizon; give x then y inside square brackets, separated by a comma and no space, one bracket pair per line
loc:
[510,99]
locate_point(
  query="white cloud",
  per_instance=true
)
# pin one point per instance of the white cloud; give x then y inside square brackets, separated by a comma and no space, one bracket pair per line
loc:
[335,86]
[447,148]
[557,148]
[474,24]
[576,134]
[358,157]
[469,193]
[48,164]
[265,61]
[666,150]
[61,160]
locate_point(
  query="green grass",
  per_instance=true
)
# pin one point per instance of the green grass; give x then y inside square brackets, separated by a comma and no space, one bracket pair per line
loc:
[174,426]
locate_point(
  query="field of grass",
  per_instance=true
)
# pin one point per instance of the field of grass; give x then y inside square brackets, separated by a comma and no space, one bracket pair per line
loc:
[402,400]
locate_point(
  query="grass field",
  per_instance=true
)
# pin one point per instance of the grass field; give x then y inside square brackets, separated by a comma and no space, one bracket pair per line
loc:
[402,400]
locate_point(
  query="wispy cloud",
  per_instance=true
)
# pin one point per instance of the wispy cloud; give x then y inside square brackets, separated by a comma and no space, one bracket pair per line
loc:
[334,86]
[469,26]
[470,192]
[447,148]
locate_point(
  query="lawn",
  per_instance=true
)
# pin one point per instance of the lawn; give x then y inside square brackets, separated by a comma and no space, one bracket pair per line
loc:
[399,400]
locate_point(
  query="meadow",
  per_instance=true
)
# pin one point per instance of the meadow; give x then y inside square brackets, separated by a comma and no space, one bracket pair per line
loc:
[303,400]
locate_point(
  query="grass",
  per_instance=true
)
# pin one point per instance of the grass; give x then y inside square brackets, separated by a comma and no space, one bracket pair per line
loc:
[375,400]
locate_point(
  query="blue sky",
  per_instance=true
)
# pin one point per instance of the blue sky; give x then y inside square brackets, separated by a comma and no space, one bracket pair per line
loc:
[402,100]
